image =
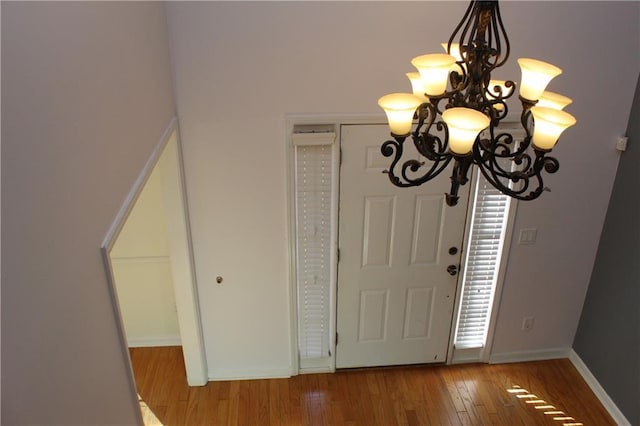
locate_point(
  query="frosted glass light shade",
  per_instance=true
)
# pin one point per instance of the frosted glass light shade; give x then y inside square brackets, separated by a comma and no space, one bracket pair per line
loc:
[548,124]
[434,70]
[455,50]
[535,77]
[553,100]
[416,84]
[400,108]
[464,125]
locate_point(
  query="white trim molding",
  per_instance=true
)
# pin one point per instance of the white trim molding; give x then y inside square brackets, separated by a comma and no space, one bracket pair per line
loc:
[525,356]
[248,374]
[179,236]
[466,355]
[154,341]
[598,390]
[139,259]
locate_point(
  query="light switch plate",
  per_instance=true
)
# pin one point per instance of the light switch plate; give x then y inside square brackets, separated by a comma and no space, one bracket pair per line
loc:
[528,236]
[621,144]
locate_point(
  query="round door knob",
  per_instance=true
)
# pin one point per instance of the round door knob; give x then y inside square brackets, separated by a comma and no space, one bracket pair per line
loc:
[452,269]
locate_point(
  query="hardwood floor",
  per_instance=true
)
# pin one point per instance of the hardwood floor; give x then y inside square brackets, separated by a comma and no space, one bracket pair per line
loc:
[472,394]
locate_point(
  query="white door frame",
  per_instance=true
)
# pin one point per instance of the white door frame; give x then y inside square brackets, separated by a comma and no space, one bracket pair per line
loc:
[337,121]
[180,246]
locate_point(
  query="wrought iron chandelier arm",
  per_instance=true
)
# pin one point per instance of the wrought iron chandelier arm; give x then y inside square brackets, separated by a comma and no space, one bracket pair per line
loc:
[488,160]
[458,177]
[503,147]
[494,99]
[460,24]
[427,144]
[517,183]
[394,148]
[431,147]
[502,34]
[497,114]
[433,105]
[484,154]
[492,164]
[492,178]
[414,166]
[542,161]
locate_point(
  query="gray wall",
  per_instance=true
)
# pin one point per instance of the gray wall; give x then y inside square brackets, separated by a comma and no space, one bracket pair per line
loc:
[608,337]
[86,96]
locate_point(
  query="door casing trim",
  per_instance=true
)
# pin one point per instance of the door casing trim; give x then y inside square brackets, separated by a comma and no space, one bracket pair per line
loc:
[189,305]
[337,120]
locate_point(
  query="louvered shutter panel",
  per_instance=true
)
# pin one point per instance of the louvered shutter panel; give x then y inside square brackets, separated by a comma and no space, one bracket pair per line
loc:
[482,265]
[313,206]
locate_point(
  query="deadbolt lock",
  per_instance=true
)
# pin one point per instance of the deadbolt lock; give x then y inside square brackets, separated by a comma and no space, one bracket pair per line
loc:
[453,250]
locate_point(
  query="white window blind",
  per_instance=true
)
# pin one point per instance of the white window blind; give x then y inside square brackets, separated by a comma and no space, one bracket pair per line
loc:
[313,210]
[490,213]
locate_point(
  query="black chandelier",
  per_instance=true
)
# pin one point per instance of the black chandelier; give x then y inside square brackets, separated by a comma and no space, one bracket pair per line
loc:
[450,122]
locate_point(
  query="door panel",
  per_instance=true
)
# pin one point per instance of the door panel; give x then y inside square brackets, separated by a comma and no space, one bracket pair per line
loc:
[426,232]
[379,218]
[395,296]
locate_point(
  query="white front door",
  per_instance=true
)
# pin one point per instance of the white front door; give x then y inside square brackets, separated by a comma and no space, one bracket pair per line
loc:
[395,296]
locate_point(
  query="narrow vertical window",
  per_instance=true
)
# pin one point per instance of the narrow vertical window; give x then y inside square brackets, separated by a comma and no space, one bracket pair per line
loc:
[314,163]
[485,246]
[490,213]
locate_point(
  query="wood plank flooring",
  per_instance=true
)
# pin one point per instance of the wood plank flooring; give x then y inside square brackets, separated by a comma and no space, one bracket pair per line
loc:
[472,394]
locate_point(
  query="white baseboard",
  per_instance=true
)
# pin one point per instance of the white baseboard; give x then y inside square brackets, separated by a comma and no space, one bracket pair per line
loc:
[595,386]
[315,365]
[278,373]
[466,355]
[318,370]
[148,342]
[525,356]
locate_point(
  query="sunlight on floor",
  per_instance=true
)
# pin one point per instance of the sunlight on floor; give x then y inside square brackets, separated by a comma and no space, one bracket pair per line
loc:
[148,417]
[545,407]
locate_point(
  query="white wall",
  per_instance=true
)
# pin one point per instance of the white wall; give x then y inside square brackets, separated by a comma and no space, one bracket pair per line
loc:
[142,270]
[239,67]
[86,97]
